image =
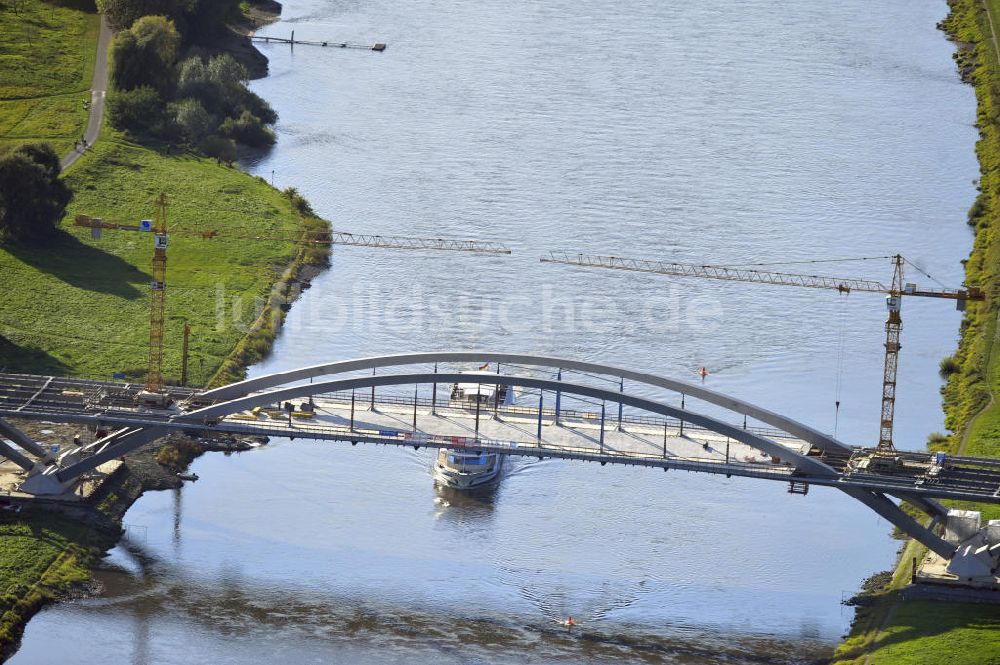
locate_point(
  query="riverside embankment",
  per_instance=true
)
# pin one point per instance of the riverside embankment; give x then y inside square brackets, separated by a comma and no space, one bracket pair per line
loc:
[78,306]
[889,630]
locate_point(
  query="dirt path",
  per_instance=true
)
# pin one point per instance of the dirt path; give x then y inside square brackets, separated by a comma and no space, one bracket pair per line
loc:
[98,92]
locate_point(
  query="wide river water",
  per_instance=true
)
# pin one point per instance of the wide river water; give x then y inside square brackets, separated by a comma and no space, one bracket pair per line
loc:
[714,132]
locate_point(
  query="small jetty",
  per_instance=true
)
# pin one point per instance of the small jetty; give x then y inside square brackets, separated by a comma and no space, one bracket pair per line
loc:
[291,41]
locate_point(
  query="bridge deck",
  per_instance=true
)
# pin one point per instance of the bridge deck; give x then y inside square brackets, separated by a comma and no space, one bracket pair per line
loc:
[642,440]
[518,426]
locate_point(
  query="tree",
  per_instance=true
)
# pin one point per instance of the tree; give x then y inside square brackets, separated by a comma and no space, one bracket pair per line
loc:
[227,72]
[123,13]
[193,81]
[32,197]
[138,111]
[194,121]
[158,36]
[127,71]
[201,20]
[204,19]
[145,55]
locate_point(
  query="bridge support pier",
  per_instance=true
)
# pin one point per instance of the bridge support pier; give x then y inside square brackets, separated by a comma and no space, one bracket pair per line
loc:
[46,483]
[16,457]
[929,506]
[24,441]
[56,480]
[911,527]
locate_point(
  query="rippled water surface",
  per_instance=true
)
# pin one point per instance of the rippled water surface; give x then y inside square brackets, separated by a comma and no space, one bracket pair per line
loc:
[715,132]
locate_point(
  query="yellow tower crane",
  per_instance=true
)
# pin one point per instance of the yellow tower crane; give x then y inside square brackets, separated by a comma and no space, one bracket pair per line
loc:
[158,286]
[153,394]
[894,294]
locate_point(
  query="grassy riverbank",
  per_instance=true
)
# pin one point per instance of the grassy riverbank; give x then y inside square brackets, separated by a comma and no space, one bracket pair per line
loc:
[79,306]
[47,52]
[891,631]
[42,556]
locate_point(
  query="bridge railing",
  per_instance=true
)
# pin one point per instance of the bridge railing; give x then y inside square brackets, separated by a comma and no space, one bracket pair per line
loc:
[363,399]
[392,436]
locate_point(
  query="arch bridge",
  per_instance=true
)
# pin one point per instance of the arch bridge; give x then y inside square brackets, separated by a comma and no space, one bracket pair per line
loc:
[360,401]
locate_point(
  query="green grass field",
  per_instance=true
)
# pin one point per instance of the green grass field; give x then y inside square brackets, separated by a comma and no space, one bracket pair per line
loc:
[933,633]
[47,52]
[81,306]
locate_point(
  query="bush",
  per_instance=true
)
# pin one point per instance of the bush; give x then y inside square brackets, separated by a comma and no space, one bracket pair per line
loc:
[298,201]
[937,440]
[948,366]
[247,129]
[258,106]
[32,197]
[222,149]
[138,111]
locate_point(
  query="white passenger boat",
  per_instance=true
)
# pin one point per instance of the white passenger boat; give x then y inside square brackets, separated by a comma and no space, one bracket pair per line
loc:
[466,469]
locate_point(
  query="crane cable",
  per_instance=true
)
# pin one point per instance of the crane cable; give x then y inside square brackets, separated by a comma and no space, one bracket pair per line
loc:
[841,343]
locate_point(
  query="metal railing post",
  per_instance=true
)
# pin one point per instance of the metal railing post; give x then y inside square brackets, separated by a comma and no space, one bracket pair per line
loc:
[541,396]
[416,387]
[621,390]
[602,427]
[434,393]
[558,396]
[373,392]
[478,402]
[682,418]
[352,409]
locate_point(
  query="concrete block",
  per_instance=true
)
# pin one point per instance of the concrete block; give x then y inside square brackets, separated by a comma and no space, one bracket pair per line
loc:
[993,532]
[961,525]
[970,561]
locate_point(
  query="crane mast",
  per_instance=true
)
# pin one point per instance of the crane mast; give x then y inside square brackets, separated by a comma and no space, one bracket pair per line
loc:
[894,294]
[158,287]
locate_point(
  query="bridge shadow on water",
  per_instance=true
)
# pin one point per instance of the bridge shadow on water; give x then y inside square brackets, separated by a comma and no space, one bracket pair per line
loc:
[236,606]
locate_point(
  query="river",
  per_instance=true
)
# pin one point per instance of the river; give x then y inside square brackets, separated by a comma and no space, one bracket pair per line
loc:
[713,132]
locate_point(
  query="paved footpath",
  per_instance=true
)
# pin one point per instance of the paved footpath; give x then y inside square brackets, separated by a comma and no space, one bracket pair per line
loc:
[98,92]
